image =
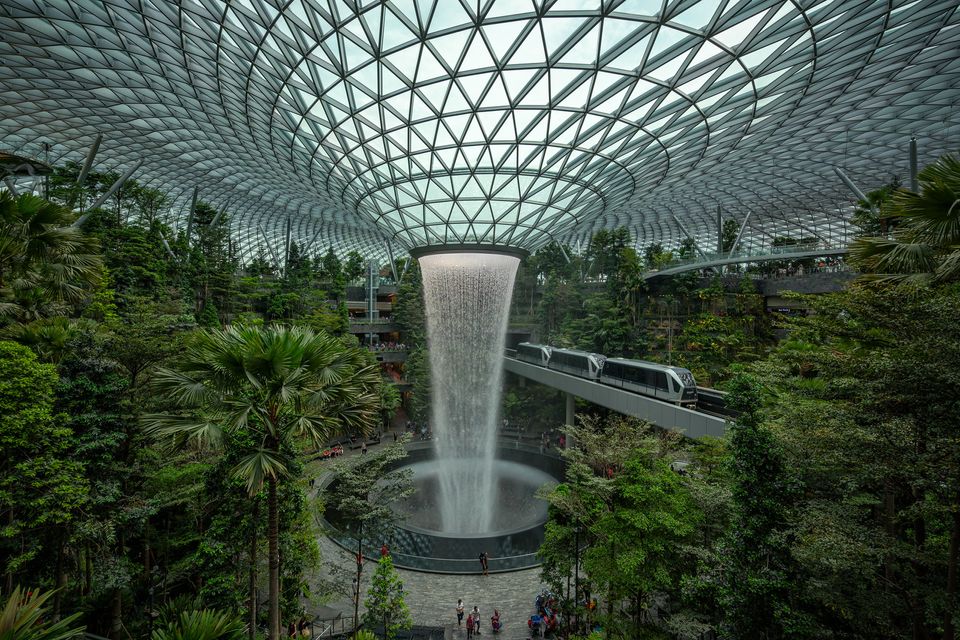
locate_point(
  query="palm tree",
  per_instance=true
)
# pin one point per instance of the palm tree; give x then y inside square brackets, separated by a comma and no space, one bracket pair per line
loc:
[925,246]
[43,259]
[273,387]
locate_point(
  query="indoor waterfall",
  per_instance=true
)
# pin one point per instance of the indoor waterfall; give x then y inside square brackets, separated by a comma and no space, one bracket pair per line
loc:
[467,298]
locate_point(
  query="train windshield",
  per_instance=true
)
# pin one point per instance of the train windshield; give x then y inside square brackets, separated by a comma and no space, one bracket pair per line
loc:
[687,378]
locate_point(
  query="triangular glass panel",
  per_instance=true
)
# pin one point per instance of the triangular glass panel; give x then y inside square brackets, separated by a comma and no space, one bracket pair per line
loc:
[448,14]
[429,67]
[586,49]
[699,15]
[478,57]
[633,57]
[531,51]
[502,36]
[395,32]
[517,80]
[450,47]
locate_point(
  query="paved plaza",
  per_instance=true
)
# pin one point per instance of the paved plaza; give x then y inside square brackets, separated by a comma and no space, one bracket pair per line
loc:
[432,598]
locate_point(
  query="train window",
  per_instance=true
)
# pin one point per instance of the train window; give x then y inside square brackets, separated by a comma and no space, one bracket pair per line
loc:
[661,380]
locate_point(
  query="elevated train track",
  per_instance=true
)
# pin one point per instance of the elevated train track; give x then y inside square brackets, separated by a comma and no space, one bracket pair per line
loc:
[693,423]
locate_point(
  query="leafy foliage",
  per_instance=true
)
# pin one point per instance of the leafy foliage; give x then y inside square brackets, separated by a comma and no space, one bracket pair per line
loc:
[45,261]
[201,625]
[385,602]
[24,618]
[923,248]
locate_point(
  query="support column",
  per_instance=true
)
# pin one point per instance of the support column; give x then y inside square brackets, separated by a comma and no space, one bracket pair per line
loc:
[373,275]
[914,183]
[571,415]
[719,230]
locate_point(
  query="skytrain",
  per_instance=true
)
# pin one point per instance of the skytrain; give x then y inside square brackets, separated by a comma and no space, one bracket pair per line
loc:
[670,384]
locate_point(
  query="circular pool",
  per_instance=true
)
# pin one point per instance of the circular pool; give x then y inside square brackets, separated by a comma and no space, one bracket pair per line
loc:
[422,541]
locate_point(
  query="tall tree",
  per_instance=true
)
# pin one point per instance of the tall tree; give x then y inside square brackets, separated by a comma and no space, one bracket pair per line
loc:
[366,487]
[757,594]
[41,488]
[275,386]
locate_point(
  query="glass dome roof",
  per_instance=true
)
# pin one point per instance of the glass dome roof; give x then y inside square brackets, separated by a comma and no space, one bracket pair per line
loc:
[512,122]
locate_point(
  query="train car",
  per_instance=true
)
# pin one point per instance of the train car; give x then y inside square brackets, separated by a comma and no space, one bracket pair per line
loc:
[578,363]
[538,354]
[670,384]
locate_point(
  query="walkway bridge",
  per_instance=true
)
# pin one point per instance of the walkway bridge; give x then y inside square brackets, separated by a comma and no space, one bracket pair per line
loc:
[693,424]
[709,260]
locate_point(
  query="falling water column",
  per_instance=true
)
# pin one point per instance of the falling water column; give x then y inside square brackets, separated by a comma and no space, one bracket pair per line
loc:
[467,300]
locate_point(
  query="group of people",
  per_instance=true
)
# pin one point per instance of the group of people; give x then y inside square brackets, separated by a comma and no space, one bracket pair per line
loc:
[422,430]
[544,619]
[332,452]
[299,629]
[473,619]
[389,346]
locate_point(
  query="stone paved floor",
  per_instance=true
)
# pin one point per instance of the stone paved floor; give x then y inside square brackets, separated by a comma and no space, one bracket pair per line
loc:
[432,598]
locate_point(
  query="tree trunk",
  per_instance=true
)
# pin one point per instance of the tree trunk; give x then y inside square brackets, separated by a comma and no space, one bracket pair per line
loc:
[147,552]
[948,628]
[356,595]
[252,595]
[273,549]
[116,614]
[87,570]
[59,579]
[8,577]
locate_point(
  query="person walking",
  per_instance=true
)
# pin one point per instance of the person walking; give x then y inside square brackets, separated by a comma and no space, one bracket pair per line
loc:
[484,566]
[470,626]
[459,612]
[476,619]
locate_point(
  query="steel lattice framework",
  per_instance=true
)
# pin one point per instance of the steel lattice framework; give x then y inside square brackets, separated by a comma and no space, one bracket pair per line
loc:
[511,122]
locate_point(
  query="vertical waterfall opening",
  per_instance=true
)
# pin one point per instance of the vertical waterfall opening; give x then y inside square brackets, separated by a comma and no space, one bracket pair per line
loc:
[467,298]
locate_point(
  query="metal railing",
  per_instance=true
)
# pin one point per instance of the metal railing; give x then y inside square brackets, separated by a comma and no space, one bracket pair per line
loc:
[743,255]
[369,320]
[330,627]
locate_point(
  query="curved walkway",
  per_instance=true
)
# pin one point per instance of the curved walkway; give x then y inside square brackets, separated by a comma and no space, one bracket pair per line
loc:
[719,261]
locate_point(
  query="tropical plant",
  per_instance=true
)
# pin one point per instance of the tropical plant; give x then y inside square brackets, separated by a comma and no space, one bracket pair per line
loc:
[205,624]
[271,387]
[385,603]
[925,246]
[366,487]
[25,617]
[44,260]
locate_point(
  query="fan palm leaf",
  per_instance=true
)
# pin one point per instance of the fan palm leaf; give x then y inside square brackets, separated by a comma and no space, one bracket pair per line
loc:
[41,252]
[925,247]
